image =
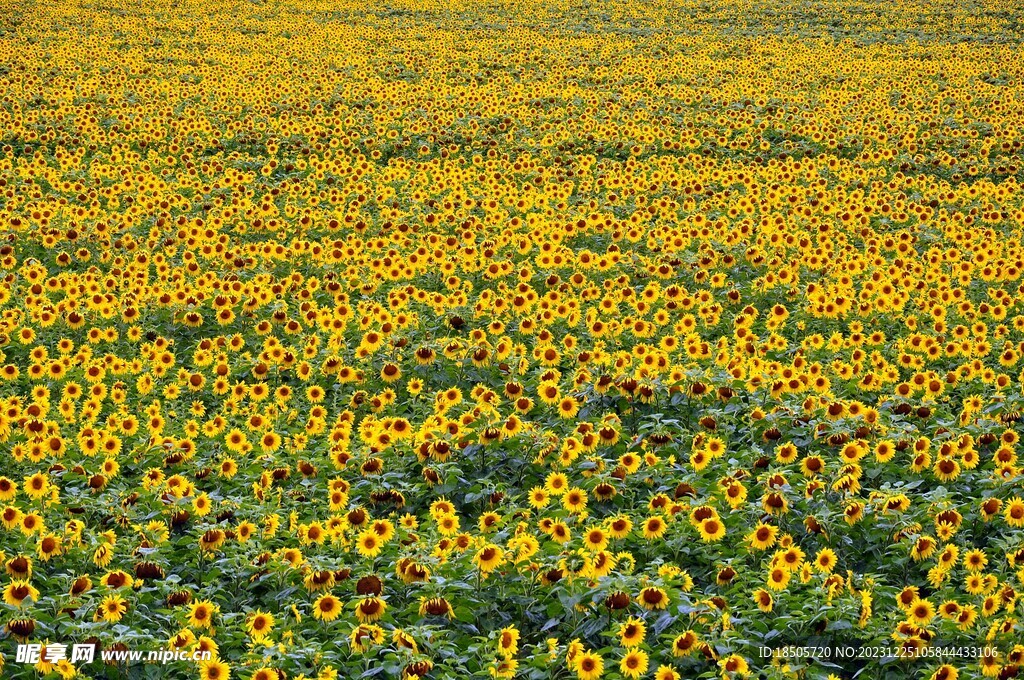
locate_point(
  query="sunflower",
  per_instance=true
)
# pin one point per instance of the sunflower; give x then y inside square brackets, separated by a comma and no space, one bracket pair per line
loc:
[568,407]
[975,560]
[595,539]
[49,546]
[489,558]
[666,673]
[990,605]
[990,508]
[539,497]
[524,405]
[589,666]
[8,489]
[448,525]
[735,494]
[21,629]
[227,468]
[264,673]
[945,672]
[511,427]
[575,500]
[967,617]
[685,644]
[363,636]
[202,505]
[556,484]
[778,578]
[214,669]
[489,522]
[549,393]
[653,598]
[390,372]
[885,450]
[699,460]
[990,662]
[260,624]
[508,642]
[921,612]
[326,607]
[654,528]
[734,664]
[212,540]
[853,512]
[435,606]
[1014,512]
[403,640]
[602,564]
[786,453]
[974,584]
[763,536]
[19,567]
[370,609]
[36,486]
[559,532]
[112,608]
[949,609]
[629,462]
[201,614]
[244,531]
[619,526]
[825,561]
[632,632]
[711,530]
[763,600]
[634,663]
[11,517]
[18,591]
[80,586]
[946,469]
[369,543]
[948,557]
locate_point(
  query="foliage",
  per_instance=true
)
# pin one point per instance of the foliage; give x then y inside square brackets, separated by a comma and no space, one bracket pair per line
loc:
[512,340]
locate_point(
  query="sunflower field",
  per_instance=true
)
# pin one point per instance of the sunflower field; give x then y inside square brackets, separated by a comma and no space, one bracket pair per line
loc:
[556,340]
